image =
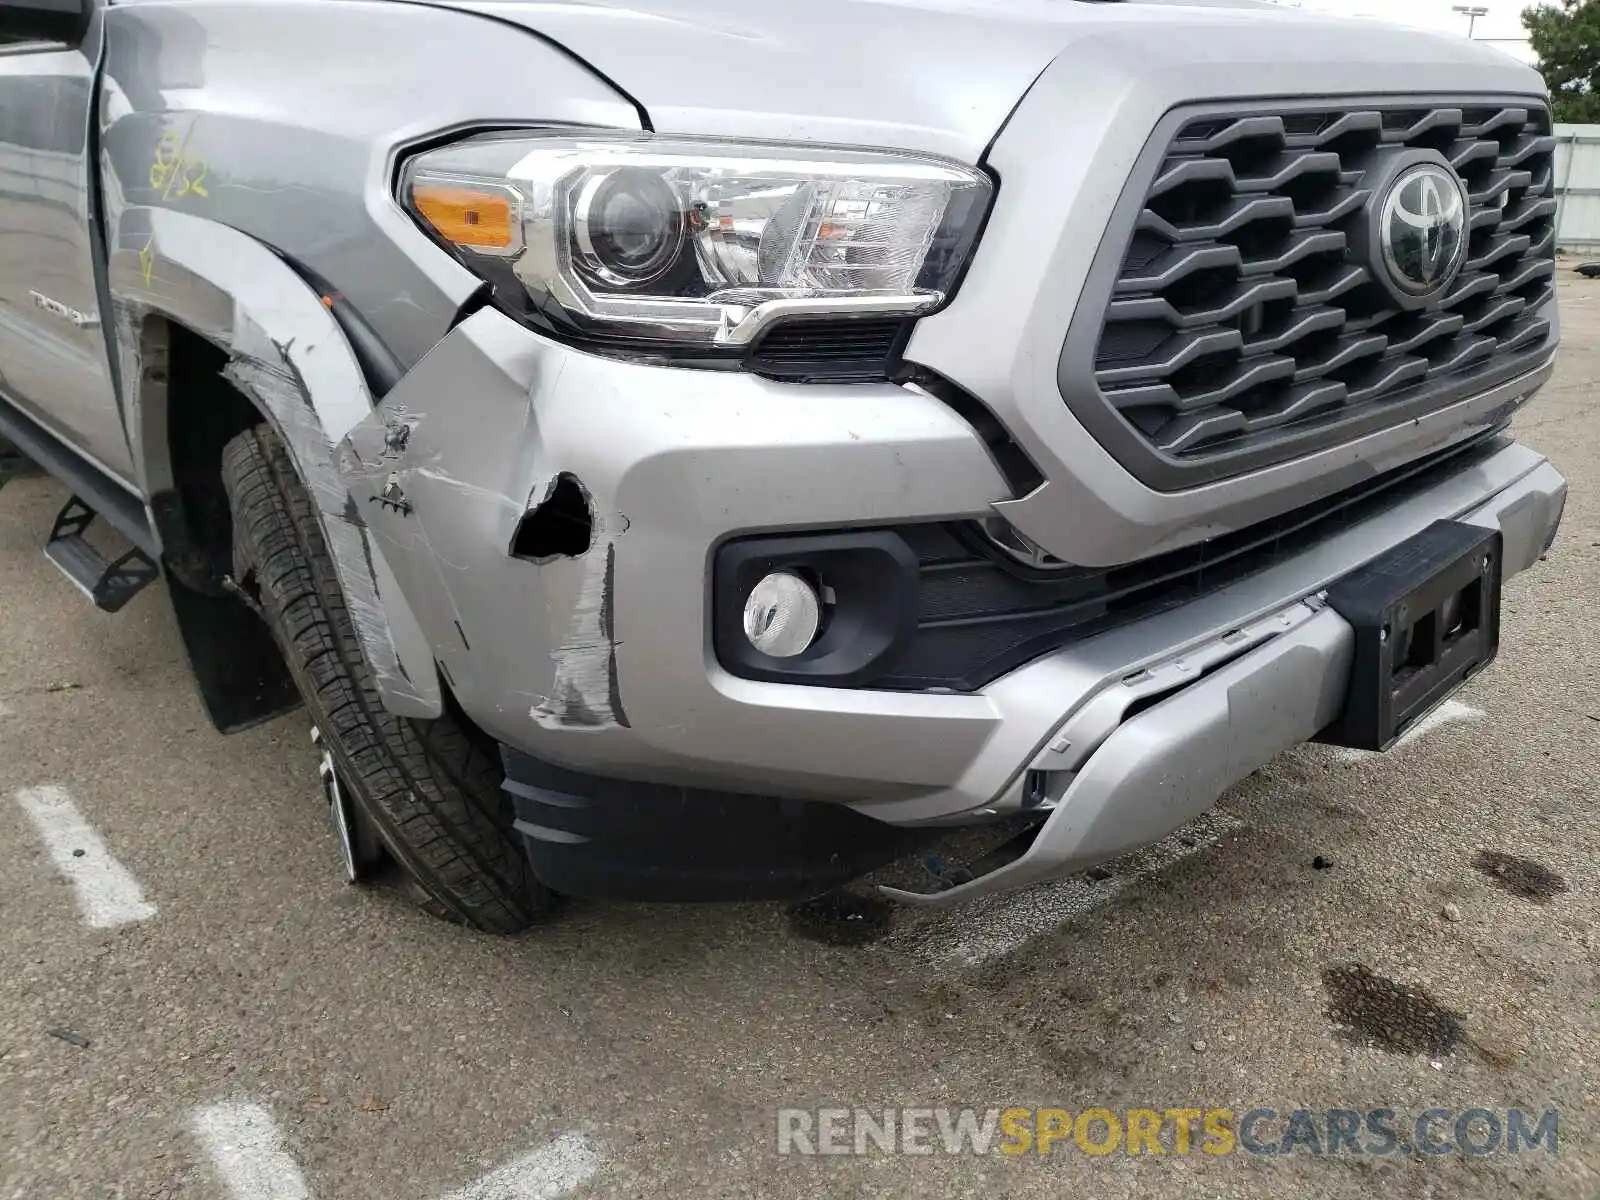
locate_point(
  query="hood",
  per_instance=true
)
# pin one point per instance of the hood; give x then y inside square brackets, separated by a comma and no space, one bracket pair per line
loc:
[937,76]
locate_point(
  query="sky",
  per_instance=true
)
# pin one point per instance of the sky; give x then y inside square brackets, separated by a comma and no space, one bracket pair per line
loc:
[1503,19]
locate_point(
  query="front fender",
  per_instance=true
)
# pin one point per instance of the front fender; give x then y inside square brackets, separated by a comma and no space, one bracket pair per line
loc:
[287,121]
[289,356]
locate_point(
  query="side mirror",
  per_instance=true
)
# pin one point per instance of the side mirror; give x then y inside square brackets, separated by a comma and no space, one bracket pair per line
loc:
[43,20]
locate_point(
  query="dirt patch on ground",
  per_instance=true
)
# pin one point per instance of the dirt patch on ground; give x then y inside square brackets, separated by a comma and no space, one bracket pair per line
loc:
[1371,1009]
[842,918]
[1520,876]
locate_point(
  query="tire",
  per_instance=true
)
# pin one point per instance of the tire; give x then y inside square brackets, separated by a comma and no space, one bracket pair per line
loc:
[430,789]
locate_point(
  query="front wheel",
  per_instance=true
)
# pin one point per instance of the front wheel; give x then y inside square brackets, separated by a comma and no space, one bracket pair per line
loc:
[430,789]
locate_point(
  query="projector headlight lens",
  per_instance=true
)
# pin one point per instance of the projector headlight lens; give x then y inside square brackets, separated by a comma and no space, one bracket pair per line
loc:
[627,227]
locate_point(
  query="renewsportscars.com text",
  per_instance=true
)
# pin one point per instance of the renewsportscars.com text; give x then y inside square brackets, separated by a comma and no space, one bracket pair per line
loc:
[1333,1132]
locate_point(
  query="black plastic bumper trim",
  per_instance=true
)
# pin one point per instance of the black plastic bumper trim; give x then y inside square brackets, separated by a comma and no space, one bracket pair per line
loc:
[617,839]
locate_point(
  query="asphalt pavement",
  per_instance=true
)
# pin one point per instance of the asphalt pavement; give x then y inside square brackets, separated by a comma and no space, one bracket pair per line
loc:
[193,1003]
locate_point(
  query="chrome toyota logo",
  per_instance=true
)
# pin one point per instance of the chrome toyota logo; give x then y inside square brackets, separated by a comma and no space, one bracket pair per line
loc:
[1423,229]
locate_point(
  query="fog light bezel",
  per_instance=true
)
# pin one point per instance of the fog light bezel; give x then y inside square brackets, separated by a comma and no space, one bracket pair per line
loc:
[868,580]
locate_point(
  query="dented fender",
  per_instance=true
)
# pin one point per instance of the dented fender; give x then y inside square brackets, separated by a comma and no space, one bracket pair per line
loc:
[446,468]
[286,353]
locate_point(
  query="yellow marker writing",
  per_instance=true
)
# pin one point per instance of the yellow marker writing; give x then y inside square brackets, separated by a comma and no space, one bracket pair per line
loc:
[174,172]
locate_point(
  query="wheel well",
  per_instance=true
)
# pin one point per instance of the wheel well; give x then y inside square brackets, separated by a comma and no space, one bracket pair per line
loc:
[240,671]
[204,412]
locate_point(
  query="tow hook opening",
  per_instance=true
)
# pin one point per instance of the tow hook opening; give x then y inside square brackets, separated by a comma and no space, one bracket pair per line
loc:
[559,526]
[1036,788]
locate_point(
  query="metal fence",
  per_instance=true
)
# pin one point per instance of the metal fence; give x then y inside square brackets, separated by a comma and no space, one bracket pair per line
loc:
[1578,188]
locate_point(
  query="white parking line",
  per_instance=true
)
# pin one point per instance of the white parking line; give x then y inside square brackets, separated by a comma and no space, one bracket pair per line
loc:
[1447,713]
[986,930]
[248,1152]
[247,1149]
[108,894]
[541,1174]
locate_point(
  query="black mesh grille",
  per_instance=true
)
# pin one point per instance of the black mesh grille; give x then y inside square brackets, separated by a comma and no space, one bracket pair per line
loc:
[1241,313]
[981,614]
[829,348]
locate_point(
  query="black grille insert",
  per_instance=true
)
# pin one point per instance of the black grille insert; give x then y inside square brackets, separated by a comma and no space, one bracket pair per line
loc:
[1244,326]
[982,614]
[834,348]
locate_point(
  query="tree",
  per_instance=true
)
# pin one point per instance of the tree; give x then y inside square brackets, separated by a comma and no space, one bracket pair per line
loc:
[1566,37]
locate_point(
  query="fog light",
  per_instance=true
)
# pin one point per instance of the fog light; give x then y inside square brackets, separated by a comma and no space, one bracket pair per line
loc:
[782,615]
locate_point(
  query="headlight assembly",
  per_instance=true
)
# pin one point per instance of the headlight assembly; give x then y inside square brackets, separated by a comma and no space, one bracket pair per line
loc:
[697,246]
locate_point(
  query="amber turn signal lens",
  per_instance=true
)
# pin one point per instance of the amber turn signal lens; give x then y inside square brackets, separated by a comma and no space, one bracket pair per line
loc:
[479,220]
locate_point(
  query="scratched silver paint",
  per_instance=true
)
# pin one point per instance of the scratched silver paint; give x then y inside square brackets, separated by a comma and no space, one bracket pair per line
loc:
[570,657]
[285,352]
[443,483]
[584,691]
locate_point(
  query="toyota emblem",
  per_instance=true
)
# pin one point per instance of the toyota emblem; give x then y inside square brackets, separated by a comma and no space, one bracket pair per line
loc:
[1423,229]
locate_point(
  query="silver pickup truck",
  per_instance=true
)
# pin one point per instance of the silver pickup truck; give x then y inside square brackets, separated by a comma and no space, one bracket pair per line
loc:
[698,449]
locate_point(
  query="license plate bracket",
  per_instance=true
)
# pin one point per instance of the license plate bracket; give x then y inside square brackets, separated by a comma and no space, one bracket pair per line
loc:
[1426,616]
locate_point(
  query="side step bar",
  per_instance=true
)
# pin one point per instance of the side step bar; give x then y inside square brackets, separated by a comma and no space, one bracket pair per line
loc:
[109,585]
[96,494]
[114,502]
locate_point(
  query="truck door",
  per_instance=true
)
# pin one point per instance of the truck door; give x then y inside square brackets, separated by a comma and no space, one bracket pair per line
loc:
[53,360]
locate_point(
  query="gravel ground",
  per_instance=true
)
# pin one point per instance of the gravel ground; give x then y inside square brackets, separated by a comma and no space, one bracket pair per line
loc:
[1402,931]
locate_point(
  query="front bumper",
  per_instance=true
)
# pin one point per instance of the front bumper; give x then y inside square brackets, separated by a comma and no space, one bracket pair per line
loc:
[1103,781]
[600,663]
[1116,784]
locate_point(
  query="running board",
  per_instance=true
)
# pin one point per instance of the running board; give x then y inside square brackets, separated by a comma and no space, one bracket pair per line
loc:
[109,585]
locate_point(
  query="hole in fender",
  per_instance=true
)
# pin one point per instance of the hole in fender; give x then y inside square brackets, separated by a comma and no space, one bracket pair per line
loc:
[559,526]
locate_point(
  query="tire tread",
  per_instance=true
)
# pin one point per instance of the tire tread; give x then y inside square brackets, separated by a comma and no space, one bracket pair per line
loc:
[430,789]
